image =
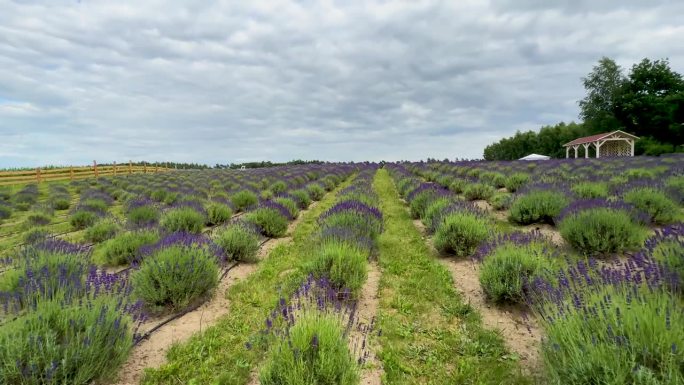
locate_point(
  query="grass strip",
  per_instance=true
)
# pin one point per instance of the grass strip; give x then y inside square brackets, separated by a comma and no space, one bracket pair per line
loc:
[429,335]
[218,355]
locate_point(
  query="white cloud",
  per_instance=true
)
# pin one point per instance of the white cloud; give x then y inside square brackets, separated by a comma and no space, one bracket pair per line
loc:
[223,81]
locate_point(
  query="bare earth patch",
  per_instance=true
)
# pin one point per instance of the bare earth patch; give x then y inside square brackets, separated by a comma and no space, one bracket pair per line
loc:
[548,231]
[520,331]
[152,351]
[366,312]
[483,205]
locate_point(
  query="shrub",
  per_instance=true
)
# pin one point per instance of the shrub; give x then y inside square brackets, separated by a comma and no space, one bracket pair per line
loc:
[589,190]
[101,231]
[457,185]
[675,184]
[476,191]
[35,235]
[143,215]
[266,195]
[302,197]
[433,212]
[289,204]
[314,351]
[183,219]
[508,268]
[240,242]
[316,191]
[670,253]
[515,181]
[158,195]
[460,233]
[175,276]
[343,263]
[363,220]
[601,231]
[82,219]
[244,199]
[61,203]
[537,207]
[656,203]
[58,344]
[45,268]
[270,220]
[218,213]
[121,250]
[38,219]
[614,335]
[5,212]
[501,200]
[95,205]
[278,187]
[495,179]
[419,202]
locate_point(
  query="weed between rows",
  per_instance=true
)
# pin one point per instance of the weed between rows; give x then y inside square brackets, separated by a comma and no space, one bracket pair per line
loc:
[430,336]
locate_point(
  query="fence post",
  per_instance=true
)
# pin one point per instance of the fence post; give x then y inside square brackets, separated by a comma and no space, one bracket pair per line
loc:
[114,168]
[156,168]
[71,173]
[95,168]
[130,167]
[144,168]
[38,174]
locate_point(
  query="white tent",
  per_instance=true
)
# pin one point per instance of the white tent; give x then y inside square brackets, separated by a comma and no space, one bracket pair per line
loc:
[535,157]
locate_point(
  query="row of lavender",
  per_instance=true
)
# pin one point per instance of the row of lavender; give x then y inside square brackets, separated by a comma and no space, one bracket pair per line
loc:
[315,336]
[609,324]
[66,321]
[219,192]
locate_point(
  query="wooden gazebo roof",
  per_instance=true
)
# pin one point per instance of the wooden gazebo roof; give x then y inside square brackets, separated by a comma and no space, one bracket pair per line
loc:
[594,138]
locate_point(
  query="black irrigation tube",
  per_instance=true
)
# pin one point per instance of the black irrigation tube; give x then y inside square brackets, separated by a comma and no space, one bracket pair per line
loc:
[148,333]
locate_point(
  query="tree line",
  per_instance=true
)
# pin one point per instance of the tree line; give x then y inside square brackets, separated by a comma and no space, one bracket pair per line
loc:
[647,102]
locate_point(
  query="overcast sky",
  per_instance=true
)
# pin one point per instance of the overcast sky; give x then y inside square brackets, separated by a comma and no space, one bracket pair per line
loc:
[233,81]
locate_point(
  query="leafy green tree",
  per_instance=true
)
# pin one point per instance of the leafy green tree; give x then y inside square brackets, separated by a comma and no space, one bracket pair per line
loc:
[651,102]
[603,85]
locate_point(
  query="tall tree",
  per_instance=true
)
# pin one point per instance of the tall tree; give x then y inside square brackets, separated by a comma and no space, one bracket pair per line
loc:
[651,102]
[603,85]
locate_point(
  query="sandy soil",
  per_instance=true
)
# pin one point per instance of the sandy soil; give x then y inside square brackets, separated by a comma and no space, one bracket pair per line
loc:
[548,231]
[366,313]
[152,351]
[519,330]
[483,205]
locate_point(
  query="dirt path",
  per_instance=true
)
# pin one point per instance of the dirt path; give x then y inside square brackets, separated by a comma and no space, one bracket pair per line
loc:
[518,328]
[366,313]
[520,331]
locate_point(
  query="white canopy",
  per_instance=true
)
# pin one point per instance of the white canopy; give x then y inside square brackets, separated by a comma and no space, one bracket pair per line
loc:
[535,157]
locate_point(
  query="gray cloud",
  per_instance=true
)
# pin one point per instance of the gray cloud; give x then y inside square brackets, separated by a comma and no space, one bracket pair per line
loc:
[229,81]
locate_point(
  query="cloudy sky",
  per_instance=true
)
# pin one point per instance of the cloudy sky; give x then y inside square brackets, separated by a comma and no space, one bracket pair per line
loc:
[232,81]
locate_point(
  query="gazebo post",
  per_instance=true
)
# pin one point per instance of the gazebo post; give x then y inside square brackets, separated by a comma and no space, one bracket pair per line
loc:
[586,149]
[598,149]
[631,144]
[567,152]
[575,147]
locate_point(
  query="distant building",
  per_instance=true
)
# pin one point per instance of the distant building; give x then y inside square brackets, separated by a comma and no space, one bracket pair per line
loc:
[535,157]
[616,143]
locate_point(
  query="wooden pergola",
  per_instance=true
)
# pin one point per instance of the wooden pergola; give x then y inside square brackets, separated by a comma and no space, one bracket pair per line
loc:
[616,143]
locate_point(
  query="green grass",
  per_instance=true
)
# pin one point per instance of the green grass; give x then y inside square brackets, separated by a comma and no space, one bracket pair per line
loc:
[429,335]
[219,355]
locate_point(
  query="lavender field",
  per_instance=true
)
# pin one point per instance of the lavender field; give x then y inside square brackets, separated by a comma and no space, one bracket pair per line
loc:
[466,272]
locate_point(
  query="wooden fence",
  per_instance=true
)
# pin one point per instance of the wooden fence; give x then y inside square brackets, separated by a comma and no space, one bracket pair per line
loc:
[39,175]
